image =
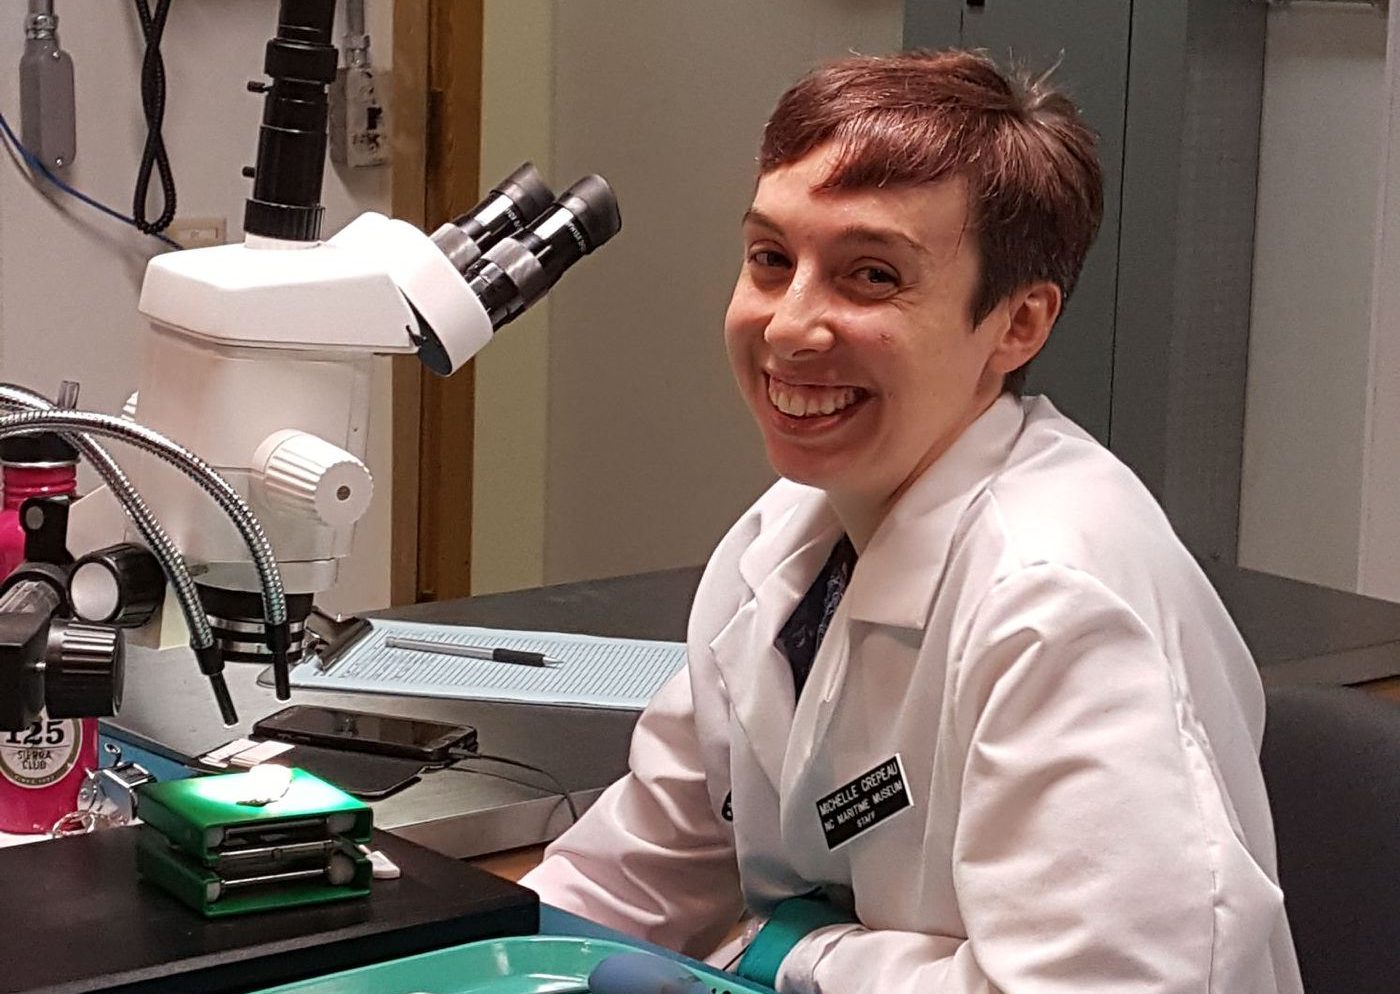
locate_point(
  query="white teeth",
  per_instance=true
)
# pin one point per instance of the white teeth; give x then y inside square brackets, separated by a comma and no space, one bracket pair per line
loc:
[809,401]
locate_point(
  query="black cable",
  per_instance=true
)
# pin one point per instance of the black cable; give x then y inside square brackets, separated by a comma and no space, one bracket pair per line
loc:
[558,788]
[153,104]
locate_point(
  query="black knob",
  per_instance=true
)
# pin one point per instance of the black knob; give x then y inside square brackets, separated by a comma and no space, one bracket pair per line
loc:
[249,172]
[258,86]
[119,585]
[84,669]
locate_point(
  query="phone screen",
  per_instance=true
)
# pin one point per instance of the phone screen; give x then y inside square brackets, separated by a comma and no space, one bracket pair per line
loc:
[364,731]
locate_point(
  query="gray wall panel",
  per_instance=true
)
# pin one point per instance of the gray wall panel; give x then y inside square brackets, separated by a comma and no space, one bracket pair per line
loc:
[1091,49]
[1194,97]
[1148,239]
[932,23]
[1214,272]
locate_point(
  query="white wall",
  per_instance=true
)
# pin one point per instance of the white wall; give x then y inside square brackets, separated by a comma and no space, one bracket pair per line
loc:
[69,277]
[647,452]
[1320,157]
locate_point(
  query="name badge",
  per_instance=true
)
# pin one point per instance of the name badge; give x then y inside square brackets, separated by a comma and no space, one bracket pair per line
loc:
[865,802]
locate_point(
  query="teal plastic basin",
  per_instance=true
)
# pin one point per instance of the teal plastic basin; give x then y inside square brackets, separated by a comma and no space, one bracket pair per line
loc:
[527,964]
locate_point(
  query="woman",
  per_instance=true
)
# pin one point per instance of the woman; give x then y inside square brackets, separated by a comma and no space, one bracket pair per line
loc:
[961,714]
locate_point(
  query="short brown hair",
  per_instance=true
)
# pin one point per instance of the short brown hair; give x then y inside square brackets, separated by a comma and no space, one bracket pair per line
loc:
[1035,181]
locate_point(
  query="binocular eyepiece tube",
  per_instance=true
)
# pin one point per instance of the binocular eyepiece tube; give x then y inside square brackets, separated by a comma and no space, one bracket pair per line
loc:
[515,245]
[515,272]
[505,211]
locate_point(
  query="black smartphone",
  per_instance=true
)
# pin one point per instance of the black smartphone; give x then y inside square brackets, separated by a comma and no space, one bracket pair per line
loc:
[361,731]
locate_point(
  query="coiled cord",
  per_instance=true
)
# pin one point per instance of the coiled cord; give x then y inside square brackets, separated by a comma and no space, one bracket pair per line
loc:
[153,155]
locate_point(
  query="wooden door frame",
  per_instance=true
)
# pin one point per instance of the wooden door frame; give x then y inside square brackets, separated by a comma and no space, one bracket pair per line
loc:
[436,153]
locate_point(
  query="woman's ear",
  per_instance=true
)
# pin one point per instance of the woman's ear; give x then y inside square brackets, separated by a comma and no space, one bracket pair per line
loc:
[1030,314]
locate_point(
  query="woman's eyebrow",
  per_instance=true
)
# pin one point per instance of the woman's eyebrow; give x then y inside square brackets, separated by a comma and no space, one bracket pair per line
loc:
[867,234]
[755,216]
[888,237]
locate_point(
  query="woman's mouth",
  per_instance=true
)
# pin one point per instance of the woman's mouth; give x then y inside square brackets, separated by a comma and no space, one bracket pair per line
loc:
[811,400]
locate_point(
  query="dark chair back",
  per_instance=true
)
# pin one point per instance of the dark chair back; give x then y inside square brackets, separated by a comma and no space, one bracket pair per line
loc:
[1331,761]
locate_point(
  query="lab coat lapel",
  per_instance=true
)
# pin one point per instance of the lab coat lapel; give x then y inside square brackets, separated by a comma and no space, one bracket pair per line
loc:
[900,570]
[778,568]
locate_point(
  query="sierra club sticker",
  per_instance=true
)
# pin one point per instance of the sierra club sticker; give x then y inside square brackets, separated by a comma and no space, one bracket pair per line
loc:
[865,802]
[42,754]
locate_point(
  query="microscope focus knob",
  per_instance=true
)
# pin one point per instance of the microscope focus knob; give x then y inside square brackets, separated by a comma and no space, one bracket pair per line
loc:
[84,670]
[120,585]
[303,473]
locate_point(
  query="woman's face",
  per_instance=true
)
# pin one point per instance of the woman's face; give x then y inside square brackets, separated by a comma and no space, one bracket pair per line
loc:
[850,330]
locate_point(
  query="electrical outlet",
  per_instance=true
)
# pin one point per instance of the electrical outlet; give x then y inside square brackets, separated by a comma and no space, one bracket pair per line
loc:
[198,232]
[359,129]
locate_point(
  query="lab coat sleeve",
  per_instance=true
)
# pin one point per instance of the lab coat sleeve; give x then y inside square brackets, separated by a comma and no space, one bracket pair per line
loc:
[650,857]
[1093,850]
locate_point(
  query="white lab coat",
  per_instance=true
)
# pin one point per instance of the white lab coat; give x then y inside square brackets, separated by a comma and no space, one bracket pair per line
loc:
[1077,719]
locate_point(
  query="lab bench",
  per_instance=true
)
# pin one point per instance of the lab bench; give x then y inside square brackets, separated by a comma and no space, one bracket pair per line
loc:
[169,712]
[89,926]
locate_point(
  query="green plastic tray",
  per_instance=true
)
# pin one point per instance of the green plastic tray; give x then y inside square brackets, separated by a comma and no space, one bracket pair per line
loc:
[528,964]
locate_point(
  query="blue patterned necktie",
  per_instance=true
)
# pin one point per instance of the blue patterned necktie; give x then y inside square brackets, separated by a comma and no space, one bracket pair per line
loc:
[801,636]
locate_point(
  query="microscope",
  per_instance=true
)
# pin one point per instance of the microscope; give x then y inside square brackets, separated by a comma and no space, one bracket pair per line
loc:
[257,359]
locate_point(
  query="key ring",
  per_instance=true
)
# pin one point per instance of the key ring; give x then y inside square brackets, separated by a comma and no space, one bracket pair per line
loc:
[74,823]
[107,797]
[81,819]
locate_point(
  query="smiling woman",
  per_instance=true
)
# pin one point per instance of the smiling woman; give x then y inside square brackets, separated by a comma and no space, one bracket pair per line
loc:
[867,329]
[957,656]
[1035,199]
[854,343]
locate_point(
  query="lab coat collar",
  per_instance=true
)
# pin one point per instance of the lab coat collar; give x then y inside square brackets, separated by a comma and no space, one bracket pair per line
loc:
[899,571]
[755,671]
[811,519]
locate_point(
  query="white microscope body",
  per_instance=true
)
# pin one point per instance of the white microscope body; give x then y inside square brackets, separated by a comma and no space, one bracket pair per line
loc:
[259,357]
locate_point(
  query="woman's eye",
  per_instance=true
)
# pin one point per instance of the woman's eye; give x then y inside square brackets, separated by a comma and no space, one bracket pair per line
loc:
[767,259]
[876,276]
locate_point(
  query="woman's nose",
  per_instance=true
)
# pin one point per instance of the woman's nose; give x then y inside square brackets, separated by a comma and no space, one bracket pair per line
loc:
[799,323]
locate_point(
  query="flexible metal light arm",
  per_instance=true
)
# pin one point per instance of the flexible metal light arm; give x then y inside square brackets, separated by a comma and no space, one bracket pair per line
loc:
[228,499]
[15,397]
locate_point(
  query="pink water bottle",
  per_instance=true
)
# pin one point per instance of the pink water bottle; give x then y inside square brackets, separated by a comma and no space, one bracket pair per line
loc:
[41,767]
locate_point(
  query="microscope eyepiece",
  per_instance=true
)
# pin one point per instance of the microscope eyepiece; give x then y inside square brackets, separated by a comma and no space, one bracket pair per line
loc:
[527,189]
[306,21]
[510,249]
[517,271]
[594,206]
[505,211]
